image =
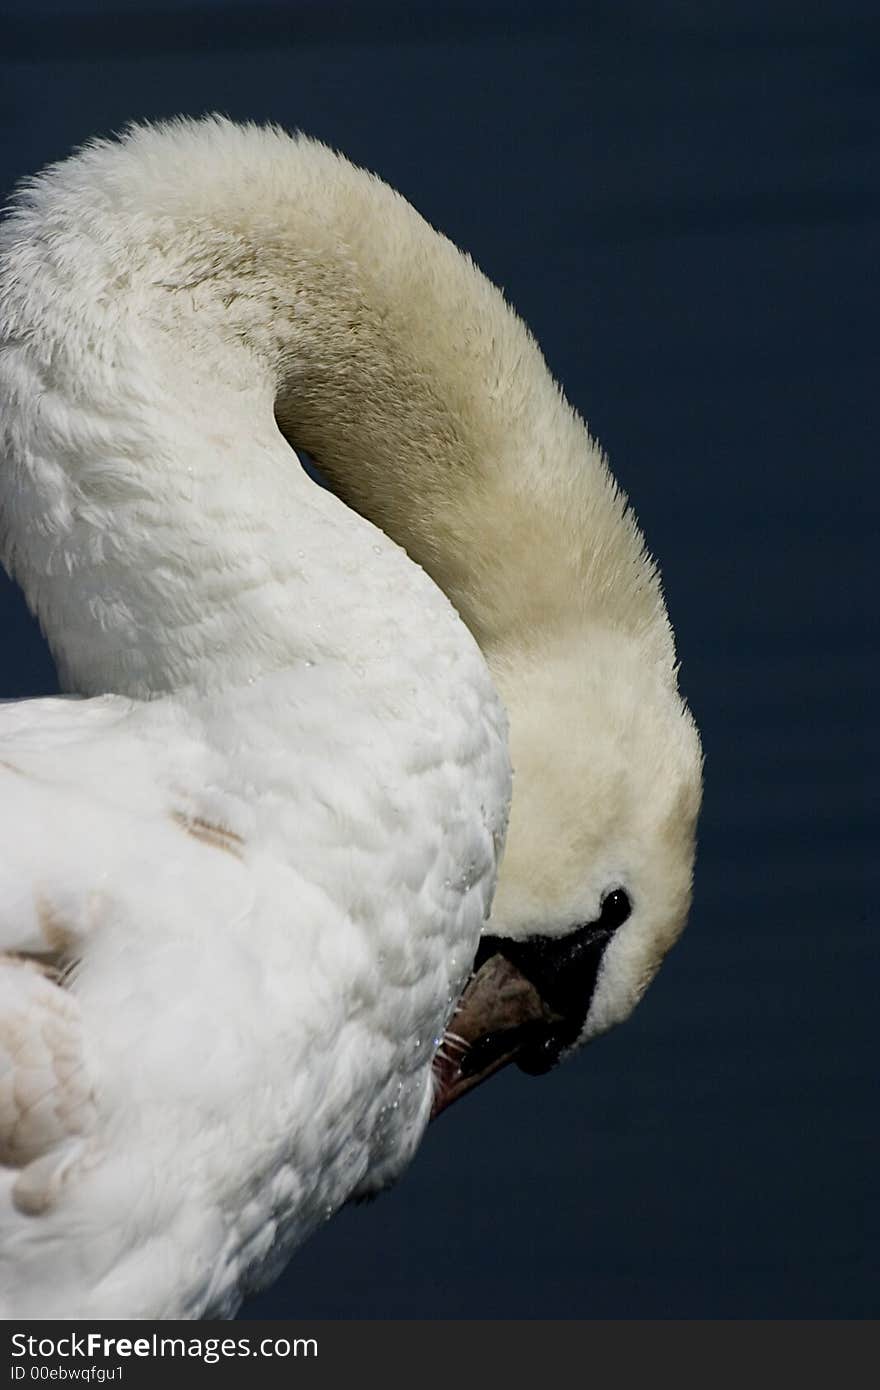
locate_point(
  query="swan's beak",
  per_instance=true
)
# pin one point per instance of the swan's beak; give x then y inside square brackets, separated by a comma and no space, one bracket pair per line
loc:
[501,1015]
[525,1002]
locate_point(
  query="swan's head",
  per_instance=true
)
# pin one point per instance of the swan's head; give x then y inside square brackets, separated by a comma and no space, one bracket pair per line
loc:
[595,884]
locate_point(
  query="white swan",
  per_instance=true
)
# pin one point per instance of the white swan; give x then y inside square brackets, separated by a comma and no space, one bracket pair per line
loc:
[268,851]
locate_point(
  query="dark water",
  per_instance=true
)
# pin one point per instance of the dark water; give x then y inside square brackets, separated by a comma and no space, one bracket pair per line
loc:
[683,200]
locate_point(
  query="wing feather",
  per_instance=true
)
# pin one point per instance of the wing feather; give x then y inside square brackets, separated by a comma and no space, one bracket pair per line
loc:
[47,1106]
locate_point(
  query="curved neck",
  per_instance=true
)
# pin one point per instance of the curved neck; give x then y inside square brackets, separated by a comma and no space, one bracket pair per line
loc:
[230,272]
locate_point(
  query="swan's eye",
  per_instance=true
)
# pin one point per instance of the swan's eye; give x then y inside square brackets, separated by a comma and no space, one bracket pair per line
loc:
[616,907]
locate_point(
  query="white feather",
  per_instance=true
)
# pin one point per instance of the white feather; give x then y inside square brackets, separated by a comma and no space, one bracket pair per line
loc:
[270,850]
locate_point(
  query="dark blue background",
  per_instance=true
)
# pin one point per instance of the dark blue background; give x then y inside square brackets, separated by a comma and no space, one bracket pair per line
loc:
[682,200]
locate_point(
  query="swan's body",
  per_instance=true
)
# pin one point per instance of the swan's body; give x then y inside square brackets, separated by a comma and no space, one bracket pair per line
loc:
[164,300]
[273,915]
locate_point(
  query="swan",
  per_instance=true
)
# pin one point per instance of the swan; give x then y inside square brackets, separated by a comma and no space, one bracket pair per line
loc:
[245,876]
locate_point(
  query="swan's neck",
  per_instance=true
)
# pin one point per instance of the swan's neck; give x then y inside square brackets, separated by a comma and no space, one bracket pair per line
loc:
[227,273]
